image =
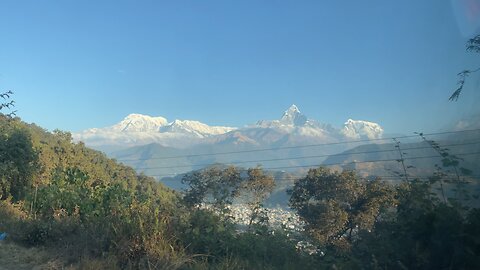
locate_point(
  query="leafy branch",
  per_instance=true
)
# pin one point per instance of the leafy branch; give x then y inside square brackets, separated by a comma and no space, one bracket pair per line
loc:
[462,76]
[473,45]
[7,104]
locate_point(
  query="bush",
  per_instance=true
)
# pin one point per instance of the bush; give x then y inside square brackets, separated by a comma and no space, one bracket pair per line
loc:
[10,215]
[206,233]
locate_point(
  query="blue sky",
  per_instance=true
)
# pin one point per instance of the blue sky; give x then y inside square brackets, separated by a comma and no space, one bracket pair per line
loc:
[81,64]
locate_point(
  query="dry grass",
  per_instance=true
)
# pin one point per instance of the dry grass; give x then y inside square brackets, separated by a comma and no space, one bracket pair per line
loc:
[13,256]
[17,257]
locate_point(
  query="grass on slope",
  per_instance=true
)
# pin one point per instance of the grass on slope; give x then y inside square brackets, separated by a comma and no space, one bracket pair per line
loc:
[13,256]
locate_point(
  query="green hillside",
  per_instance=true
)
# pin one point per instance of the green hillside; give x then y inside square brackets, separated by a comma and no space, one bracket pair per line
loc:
[87,210]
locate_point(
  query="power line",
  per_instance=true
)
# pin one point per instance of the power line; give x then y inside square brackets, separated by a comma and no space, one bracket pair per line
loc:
[303,157]
[348,163]
[367,161]
[388,177]
[298,146]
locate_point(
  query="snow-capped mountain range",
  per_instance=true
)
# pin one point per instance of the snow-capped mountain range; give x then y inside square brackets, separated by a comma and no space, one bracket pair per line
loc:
[166,150]
[292,128]
[139,123]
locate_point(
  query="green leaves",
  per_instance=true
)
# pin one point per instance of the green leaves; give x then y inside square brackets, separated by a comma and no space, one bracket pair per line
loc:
[473,44]
[7,104]
[335,206]
[18,160]
[213,186]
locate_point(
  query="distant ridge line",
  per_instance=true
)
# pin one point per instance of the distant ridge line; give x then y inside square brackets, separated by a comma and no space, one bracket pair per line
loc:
[304,157]
[340,163]
[299,146]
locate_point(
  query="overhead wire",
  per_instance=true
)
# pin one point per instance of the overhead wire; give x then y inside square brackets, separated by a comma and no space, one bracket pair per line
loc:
[298,146]
[302,157]
[348,163]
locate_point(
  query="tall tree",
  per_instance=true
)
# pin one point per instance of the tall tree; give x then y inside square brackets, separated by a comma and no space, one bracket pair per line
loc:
[213,186]
[337,206]
[17,161]
[253,191]
[17,156]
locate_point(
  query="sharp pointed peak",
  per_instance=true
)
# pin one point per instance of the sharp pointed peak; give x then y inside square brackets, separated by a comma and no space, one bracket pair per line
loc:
[293,116]
[293,107]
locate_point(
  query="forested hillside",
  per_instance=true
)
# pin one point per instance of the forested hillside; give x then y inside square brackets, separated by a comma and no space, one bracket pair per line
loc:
[91,211]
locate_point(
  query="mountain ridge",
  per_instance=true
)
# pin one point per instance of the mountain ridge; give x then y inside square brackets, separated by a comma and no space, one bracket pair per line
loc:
[293,127]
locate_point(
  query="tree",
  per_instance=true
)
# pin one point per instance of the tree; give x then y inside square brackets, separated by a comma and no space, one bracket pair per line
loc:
[337,206]
[218,188]
[423,233]
[213,186]
[18,160]
[253,191]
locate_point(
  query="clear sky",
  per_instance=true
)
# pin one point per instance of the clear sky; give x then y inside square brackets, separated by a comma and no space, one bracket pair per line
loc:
[80,64]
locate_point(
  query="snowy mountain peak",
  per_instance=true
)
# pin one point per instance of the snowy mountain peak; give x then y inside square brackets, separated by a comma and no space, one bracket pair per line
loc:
[357,129]
[138,129]
[194,128]
[140,123]
[293,108]
[292,129]
[293,116]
